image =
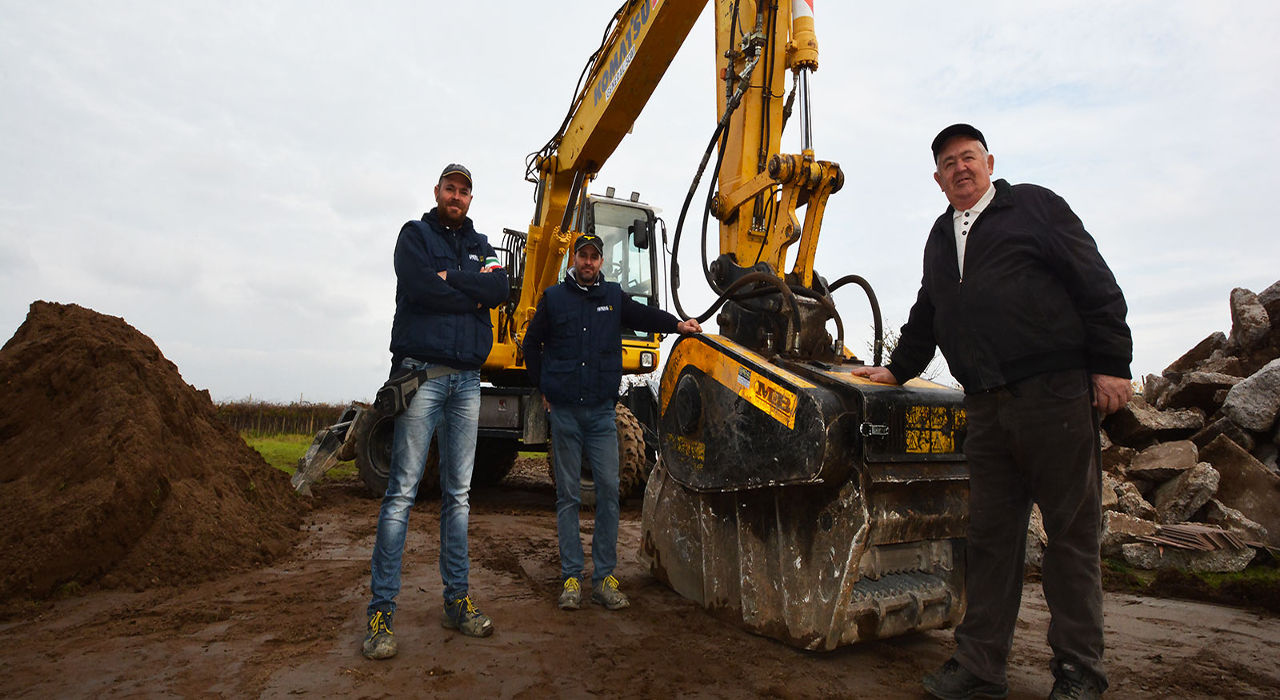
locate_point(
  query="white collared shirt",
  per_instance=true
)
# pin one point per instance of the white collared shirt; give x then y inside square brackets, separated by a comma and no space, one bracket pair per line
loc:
[963,221]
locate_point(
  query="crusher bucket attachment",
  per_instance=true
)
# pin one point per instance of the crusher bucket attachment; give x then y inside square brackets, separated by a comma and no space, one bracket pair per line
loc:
[331,445]
[803,503]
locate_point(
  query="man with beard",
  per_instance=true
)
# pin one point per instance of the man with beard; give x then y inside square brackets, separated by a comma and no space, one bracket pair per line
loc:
[573,350]
[447,279]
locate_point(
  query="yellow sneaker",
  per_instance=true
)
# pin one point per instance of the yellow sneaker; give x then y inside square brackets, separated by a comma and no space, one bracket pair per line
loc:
[571,594]
[606,593]
[380,642]
[464,616]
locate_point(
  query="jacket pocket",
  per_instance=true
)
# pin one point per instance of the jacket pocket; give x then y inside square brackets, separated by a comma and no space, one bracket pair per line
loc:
[482,335]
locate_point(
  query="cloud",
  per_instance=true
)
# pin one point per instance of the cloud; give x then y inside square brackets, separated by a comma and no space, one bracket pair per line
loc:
[231,177]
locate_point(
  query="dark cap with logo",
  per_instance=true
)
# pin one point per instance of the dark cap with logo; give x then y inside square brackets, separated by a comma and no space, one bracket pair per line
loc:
[455,169]
[940,141]
[587,239]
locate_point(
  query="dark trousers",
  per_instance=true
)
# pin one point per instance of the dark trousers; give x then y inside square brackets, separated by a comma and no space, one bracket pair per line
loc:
[1034,441]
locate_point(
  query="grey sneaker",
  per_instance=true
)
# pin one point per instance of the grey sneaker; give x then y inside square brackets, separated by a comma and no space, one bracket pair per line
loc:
[606,593]
[1074,683]
[955,682]
[380,642]
[464,616]
[571,594]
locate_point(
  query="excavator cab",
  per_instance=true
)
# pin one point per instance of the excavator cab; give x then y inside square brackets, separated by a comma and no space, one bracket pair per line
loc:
[631,259]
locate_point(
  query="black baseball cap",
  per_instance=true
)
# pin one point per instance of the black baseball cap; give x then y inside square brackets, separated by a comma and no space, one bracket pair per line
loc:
[455,169]
[953,131]
[587,239]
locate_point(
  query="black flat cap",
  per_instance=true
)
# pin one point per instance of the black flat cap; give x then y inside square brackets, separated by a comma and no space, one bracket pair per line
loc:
[951,132]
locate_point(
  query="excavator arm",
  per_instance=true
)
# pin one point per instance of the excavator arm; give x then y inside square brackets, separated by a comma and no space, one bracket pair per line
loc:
[791,497]
[760,189]
[617,83]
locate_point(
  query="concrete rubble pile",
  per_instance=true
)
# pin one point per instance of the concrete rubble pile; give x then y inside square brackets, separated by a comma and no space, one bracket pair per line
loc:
[1190,475]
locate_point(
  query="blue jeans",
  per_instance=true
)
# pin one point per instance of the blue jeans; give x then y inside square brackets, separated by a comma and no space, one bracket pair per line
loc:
[452,404]
[574,428]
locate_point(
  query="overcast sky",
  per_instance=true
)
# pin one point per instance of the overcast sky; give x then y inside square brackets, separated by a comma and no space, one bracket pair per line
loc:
[230,177]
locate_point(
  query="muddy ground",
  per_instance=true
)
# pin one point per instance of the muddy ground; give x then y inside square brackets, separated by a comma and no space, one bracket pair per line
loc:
[294,628]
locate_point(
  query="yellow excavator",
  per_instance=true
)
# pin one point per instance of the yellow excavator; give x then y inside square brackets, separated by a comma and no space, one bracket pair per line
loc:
[790,497]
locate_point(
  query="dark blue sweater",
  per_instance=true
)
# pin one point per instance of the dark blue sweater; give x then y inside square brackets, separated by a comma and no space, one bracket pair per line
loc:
[573,345]
[445,322]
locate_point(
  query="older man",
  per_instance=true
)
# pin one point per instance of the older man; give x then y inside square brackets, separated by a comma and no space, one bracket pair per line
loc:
[1032,324]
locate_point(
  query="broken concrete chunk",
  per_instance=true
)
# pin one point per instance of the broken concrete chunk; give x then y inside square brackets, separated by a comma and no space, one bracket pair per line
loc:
[1269,454]
[1129,501]
[1178,499]
[1246,485]
[1109,497]
[1163,461]
[1223,363]
[1232,520]
[1250,322]
[1119,529]
[1252,404]
[1116,458]
[1154,387]
[1147,555]
[1223,426]
[1197,389]
[1270,300]
[1201,352]
[1037,540]
[1138,425]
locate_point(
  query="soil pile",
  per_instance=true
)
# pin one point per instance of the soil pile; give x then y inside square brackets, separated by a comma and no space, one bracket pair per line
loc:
[116,472]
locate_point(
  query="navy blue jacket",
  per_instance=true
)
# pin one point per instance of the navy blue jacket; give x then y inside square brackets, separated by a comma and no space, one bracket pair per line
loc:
[1036,297]
[573,345]
[445,322]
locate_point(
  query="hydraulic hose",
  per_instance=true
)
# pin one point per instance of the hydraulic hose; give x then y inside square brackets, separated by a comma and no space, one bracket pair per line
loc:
[878,351]
[693,186]
[753,277]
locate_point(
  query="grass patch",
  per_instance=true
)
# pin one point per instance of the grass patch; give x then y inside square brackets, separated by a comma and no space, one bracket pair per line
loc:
[284,451]
[1257,587]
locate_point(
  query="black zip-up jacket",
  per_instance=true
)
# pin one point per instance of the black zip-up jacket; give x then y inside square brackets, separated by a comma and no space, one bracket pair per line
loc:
[573,345]
[445,322]
[1036,297]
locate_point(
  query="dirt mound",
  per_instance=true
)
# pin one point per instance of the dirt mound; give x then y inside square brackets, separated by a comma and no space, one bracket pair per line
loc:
[116,471]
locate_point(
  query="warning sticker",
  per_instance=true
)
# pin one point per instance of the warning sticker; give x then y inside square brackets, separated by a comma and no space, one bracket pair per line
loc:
[932,429]
[694,450]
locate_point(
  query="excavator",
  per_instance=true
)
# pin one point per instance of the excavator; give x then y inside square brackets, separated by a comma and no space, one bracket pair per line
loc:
[789,497]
